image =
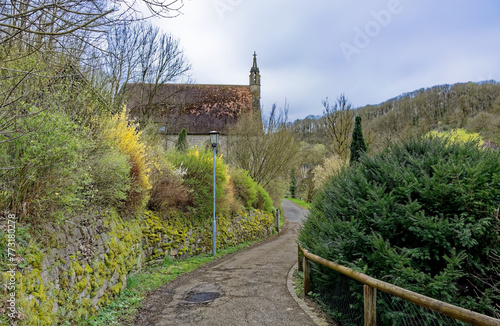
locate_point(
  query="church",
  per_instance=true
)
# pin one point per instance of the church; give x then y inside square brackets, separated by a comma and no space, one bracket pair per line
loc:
[198,108]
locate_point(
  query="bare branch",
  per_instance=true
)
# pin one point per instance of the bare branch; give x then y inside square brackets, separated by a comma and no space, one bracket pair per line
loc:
[339,121]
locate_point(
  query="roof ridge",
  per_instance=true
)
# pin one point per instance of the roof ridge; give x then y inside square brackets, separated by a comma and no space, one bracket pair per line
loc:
[188,84]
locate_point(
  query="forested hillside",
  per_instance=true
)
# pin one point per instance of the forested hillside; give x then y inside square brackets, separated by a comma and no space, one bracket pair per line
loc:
[472,106]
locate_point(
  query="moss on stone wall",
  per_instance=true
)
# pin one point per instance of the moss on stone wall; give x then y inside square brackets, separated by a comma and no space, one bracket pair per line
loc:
[88,265]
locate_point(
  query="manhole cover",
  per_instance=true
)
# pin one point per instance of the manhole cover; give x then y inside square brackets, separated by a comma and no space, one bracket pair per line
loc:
[202,297]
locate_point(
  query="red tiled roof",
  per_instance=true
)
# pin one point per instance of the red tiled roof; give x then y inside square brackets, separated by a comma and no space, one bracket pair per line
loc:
[198,108]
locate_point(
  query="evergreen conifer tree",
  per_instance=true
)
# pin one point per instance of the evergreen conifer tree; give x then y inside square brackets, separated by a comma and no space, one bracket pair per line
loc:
[182,144]
[293,184]
[358,144]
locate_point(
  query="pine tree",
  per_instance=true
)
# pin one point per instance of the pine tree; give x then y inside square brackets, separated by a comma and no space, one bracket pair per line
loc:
[358,144]
[182,144]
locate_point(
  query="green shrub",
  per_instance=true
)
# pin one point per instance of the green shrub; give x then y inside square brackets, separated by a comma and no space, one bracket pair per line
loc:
[244,186]
[196,166]
[182,143]
[169,191]
[422,215]
[264,201]
[44,171]
[457,136]
[120,132]
[110,172]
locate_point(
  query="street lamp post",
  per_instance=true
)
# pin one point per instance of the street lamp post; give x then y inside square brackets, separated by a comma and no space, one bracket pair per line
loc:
[214,137]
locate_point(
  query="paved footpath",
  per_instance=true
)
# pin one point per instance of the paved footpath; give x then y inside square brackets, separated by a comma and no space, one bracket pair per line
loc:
[245,288]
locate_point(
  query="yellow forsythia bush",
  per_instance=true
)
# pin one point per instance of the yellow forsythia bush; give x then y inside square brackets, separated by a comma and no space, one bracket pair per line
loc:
[121,132]
[457,136]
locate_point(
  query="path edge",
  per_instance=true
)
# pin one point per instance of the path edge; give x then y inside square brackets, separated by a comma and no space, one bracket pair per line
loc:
[303,305]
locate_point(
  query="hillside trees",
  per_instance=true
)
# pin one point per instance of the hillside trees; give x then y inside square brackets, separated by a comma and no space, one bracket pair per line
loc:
[441,108]
[338,125]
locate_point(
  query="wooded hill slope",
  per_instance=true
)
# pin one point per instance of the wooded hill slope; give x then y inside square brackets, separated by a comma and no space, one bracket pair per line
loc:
[472,106]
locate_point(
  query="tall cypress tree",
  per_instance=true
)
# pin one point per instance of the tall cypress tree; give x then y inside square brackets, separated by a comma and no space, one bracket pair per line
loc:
[293,184]
[182,143]
[358,144]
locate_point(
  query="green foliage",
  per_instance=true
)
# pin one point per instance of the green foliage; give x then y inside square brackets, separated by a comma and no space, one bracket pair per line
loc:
[120,132]
[110,172]
[44,173]
[197,169]
[300,202]
[182,143]
[475,107]
[358,145]
[422,215]
[264,201]
[244,186]
[235,185]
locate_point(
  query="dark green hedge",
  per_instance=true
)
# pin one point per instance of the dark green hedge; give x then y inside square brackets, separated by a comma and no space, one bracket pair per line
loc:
[422,215]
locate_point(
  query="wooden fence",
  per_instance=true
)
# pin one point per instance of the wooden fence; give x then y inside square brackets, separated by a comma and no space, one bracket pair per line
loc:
[371,285]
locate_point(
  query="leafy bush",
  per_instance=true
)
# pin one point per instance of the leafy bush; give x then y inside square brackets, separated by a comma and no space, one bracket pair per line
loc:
[182,143]
[121,132]
[457,136]
[330,167]
[168,191]
[42,170]
[197,169]
[110,171]
[264,201]
[422,215]
[244,186]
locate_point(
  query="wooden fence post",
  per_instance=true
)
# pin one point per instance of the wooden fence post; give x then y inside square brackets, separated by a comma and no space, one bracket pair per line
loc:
[307,276]
[370,295]
[300,257]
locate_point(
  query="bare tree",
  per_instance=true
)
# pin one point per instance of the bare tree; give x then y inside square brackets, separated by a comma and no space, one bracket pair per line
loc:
[339,120]
[139,60]
[266,150]
[160,60]
[38,36]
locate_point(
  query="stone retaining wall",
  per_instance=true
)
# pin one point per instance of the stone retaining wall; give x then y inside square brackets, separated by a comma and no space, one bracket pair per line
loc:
[84,264]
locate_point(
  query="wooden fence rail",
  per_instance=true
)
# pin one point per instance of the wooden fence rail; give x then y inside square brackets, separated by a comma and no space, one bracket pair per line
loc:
[372,284]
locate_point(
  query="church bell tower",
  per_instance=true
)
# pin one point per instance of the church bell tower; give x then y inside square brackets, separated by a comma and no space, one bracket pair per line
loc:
[255,84]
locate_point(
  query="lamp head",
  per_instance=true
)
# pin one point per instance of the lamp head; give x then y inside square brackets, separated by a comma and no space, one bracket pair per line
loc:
[214,138]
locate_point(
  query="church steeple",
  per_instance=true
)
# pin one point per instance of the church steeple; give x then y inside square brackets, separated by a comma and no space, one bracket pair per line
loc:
[254,72]
[255,84]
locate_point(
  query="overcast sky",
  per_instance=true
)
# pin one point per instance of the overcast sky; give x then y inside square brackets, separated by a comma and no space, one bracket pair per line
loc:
[371,50]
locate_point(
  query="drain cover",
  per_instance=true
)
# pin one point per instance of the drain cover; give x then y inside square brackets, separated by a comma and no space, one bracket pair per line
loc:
[202,297]
[203,293]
